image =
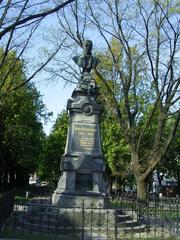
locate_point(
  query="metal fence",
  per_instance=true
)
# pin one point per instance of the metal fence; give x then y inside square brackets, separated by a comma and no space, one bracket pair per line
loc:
[123,218]
[6,205]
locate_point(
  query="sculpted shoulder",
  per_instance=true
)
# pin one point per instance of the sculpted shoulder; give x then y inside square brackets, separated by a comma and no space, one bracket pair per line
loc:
[86,61]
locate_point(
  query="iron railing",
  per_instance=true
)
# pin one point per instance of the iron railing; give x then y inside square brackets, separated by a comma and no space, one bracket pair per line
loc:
[6,205]
[123,218]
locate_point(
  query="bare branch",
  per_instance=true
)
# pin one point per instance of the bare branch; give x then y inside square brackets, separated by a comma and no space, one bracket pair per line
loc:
[18,56]
[172,134]
[34,74]
[32,17]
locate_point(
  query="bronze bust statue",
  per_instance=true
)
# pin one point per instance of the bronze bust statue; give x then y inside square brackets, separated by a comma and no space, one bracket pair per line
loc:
[86,61]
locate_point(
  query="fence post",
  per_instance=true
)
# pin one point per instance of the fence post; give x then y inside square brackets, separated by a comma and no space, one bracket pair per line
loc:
[6,206]
[116,217]
[82,229]
[177,216]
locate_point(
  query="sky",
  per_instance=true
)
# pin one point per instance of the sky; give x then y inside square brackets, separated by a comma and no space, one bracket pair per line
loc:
[55,97]
[54,94]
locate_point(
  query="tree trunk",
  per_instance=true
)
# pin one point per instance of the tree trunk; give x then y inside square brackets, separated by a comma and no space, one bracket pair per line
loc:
[178,181]
[19,178]
[22,178]
[141,189]
[5,179]
[12,176]
[109,184]
[178,176]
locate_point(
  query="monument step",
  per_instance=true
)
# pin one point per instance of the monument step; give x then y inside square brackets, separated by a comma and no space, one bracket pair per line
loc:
[48,217]
[123,217]
[60,211]
[60,219]
[57,229]
[45,220]
[76,219]
[129,223]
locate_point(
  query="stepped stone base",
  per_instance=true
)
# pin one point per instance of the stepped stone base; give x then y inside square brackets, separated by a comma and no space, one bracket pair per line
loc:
[69,199]
[94,221]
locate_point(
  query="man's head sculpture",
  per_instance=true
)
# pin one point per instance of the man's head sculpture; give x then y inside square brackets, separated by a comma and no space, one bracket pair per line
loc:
[86,61]
[87,47]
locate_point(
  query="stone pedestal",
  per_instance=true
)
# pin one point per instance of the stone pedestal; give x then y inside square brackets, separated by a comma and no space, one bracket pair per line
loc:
[82,166]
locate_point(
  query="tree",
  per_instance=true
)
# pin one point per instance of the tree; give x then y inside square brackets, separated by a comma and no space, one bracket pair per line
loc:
[164,86]
[20,21]
[116,153]
[170,166]
[53,149]
[21,130]
[144,73]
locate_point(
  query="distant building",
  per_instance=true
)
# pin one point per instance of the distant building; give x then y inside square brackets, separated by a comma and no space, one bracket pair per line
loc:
[34,179]
[164,185]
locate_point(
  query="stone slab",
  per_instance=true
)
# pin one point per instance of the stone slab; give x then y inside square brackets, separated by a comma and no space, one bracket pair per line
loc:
[62,200]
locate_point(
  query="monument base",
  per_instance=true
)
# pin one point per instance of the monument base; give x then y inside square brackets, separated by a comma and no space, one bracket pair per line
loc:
[68,199]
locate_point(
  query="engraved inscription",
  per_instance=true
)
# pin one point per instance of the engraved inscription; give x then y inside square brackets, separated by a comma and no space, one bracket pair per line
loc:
[87,142]
[85,138]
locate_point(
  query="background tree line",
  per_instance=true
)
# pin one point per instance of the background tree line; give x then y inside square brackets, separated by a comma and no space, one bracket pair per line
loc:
[21,106]
[21,131]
